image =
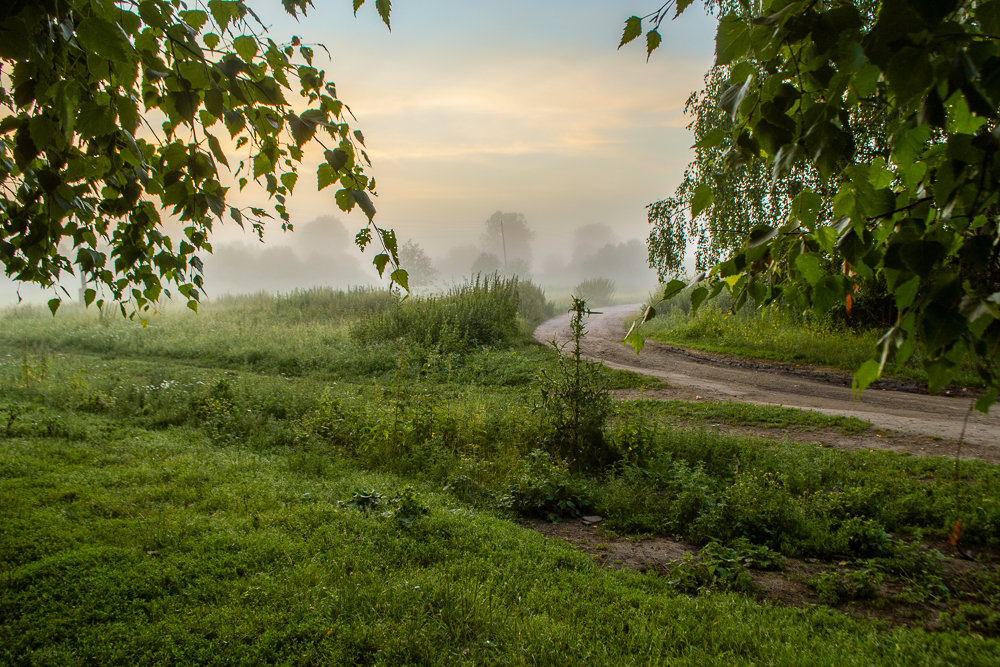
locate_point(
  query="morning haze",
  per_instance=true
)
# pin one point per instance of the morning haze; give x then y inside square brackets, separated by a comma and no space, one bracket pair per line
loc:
[473,108]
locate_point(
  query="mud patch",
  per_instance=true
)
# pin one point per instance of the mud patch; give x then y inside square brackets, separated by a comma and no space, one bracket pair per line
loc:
[969,583]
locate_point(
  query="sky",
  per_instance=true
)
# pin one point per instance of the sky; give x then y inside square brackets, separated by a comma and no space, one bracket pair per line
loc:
[472,107]
[469,107]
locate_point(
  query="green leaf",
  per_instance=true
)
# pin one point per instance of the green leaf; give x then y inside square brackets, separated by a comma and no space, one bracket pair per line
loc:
[909,73]
[365,202]
[732,40]
[988,398]
[633,28]
[105,39]
[635,339]
[326,176]
[907,292]
[698,296]
[380,261]
[246,47]
[338,158]
[383,7]
[401,278]
[672,289]
[216,148]
[864,376]
[54,305]
[810,266]
[195,18]
[703,197]
[681,6]
[345,199]
[262,164]
[653,39]
[712,138]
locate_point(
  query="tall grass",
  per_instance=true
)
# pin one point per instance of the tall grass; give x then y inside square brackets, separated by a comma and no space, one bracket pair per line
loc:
[312,304]
[481,312]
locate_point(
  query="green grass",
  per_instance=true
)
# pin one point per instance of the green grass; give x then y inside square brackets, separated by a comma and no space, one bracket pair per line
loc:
[773,334]
[192,491]
[749,414]
[130,545]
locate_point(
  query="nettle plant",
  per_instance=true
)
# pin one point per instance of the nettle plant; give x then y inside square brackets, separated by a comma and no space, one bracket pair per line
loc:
[922,214]
[117,114]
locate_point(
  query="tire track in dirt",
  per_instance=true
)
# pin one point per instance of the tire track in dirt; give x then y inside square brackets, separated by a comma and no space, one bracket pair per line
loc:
[931,422]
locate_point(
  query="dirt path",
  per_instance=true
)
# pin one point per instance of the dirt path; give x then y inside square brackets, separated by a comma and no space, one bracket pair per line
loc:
[923,422]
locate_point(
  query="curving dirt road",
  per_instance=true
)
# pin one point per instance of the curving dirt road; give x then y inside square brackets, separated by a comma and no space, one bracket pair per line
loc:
[704,376]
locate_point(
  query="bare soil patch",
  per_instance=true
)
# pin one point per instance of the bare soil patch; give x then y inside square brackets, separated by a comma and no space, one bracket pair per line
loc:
[789,586]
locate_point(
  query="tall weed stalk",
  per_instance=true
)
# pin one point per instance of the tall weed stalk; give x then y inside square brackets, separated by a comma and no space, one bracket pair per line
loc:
[577,403]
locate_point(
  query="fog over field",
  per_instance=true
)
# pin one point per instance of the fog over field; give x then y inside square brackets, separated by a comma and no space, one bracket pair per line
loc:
[473,108]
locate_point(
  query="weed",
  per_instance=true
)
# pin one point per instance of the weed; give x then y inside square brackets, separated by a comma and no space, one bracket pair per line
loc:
[35,362]
[976,618]
[405,508]
[845,585]
[480,313]
[544,487]
[13,410]
[577,404]
[719,567]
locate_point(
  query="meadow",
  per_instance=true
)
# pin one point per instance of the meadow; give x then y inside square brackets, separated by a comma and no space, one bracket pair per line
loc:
[344,478]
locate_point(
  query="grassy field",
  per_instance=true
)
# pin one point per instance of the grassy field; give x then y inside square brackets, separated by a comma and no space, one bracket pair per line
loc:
[773,334]
[277,479]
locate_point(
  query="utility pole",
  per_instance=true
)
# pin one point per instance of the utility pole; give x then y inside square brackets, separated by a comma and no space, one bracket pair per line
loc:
[503,240]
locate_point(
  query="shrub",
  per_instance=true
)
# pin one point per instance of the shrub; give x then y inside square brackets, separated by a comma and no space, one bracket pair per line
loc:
[596,290]
[532,305]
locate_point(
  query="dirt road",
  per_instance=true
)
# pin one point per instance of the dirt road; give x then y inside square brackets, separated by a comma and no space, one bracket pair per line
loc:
[711,377]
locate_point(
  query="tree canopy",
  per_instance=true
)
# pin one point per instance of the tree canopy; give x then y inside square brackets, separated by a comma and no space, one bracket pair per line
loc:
[924,217]
[119,116]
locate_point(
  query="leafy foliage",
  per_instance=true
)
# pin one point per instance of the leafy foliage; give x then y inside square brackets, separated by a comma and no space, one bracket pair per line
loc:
[121,116]
[923,217]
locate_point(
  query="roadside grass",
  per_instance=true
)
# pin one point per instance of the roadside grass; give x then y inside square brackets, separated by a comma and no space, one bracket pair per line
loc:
[131,545]
[166,498]
[773,334]
[745,414]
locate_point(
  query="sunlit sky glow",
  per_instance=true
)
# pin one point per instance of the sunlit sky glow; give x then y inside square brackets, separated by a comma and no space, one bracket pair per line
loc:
[469,107]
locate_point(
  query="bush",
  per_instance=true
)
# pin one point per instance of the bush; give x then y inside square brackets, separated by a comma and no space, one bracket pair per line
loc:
[596,291]
[532,305]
